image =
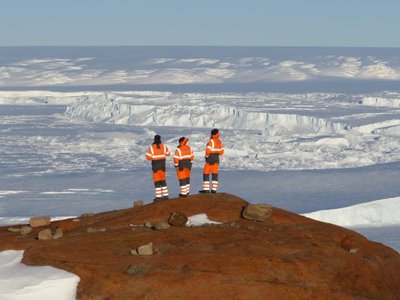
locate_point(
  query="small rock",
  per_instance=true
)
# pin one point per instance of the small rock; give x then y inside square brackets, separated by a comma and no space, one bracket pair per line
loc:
[94,229]
[148,225]
[257,212]
[58,233]
[178,219]
[161,226]
[145,250]
[138,270]
[76,220]
[45,235]
[39,221]
[26,230]
[134,252]
[85,215]
[14,229]
[353,250]
[138,203]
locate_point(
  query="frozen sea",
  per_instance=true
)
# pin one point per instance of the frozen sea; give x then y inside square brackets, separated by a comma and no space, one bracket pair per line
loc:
[305,129]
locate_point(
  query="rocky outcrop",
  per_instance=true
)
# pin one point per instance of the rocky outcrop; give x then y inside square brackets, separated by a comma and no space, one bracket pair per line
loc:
[288,257]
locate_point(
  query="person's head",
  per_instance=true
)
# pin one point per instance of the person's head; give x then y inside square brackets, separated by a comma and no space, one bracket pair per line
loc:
[157,140]
[215,132]
[183,140]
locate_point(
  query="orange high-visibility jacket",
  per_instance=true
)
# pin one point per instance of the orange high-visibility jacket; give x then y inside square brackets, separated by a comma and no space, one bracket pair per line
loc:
[157,154]
[214,146]
[184,152]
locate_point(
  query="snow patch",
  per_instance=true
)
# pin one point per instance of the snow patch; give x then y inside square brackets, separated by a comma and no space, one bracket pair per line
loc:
[18,281]
[199,220]
[376,213]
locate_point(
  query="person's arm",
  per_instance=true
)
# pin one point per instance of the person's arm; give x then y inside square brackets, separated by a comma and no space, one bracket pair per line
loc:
[167,153]
[222,149]
[209,147]
[149,155]
[177,157]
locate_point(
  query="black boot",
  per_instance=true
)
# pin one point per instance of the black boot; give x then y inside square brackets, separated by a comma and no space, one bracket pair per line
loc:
[204,191]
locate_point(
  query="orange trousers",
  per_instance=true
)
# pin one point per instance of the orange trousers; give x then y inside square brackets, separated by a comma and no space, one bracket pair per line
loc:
[159,175]
[211,169]
[183,174]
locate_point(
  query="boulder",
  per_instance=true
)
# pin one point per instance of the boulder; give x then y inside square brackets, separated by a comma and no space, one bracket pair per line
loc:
[39,221]
[58,233]
[147,225]
[177,219]
[257,212]
[25,230]
[45,234]
[138,203]
[14,229]
[145,250]
[161,226]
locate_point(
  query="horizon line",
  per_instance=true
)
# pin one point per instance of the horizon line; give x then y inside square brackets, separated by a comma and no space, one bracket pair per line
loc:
[205,46]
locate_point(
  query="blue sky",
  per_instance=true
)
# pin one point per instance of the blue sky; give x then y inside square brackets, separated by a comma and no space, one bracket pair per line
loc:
[358,23]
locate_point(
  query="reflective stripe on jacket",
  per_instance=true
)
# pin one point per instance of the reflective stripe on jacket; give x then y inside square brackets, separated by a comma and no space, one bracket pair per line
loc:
[154,153]
[214,146]
[184,152]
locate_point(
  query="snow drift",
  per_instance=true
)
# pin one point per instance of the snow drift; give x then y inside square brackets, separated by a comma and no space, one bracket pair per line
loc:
[18,281]
[376,213]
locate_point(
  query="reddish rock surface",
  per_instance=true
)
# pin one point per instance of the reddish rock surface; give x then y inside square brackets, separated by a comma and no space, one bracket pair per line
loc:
[289,257]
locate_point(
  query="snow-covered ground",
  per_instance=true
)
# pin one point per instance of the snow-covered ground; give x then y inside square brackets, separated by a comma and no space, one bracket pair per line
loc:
[312,130]
[94,66]
[21,282]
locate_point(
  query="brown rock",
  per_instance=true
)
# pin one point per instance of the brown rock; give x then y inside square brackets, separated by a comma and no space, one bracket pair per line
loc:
[58,233]
[45,234]
[257,212]
[161,226]
[147,225]
[138,270]
[217,262]
[39,221]
[14,229]
[26,230]
[178,219]
[94,229]
[145,250]
[138,203]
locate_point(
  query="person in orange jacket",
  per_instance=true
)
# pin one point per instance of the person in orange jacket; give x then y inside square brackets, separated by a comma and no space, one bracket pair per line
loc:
[157,153]
[183,160]
[214,150]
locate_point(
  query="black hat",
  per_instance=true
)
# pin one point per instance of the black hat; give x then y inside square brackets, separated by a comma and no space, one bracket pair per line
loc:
[214,131]
[157,139]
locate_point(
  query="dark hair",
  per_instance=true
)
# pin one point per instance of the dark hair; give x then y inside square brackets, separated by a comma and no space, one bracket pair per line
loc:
[180,141]
[214,131]
[157,141]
